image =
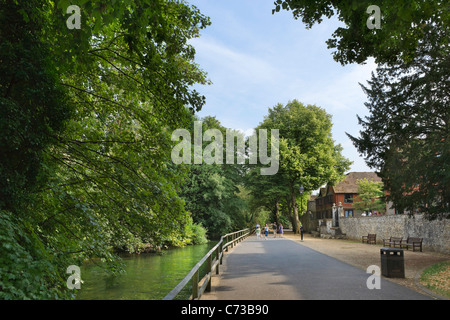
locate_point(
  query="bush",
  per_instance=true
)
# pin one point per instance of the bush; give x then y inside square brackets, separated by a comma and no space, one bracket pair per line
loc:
[195,233]
[27,270]
[198,234]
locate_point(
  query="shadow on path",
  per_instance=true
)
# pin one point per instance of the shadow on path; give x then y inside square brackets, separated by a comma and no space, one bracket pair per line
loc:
[282,269]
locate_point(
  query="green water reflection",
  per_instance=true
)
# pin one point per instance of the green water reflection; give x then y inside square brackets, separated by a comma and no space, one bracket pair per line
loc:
[148,276]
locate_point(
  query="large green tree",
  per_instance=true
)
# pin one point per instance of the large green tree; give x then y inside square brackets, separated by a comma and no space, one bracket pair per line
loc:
[86,121]
[406,136]
[33,103]
[309,156]
[33,109]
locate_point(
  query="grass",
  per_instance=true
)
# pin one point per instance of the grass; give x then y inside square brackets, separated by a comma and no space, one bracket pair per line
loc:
[437,278]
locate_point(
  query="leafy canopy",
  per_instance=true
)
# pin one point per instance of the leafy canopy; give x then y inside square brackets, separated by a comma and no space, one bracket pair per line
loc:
[406,136]
[85,119]
[309,156]
[404,23]
[370,196]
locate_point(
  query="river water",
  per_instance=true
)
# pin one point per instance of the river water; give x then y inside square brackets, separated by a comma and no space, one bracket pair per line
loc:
[147,276]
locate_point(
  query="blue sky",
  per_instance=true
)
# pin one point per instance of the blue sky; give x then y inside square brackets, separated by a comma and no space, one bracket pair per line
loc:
[256,60]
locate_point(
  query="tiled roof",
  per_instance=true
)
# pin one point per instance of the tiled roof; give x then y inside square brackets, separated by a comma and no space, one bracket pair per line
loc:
[348,185]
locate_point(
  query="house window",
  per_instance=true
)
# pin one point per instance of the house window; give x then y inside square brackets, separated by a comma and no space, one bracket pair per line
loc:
[348,213]
[348,198]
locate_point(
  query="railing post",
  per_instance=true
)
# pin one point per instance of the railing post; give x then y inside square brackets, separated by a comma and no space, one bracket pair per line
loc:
[218,259]
[195,286]
[208,286]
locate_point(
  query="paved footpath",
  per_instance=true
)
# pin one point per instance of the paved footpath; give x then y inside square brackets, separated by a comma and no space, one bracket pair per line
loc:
[281,269]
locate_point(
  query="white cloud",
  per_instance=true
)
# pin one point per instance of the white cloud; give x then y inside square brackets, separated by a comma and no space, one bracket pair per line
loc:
[341,91]
[226,63]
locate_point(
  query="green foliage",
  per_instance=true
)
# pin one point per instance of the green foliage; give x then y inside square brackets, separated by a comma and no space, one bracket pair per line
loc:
[285,221]
[370,196]
[28,270]
[406,136]
[86,117]
[211,190]
[197,233]
[404,23]
[33,106]
[308,155]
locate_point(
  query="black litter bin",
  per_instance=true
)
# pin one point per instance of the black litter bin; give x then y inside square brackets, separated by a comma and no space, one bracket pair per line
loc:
[392,263]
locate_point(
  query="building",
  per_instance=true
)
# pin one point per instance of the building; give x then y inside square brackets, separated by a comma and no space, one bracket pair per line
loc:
[342,193]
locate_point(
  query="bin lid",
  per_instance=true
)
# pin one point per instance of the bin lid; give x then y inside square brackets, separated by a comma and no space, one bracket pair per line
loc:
[386,250]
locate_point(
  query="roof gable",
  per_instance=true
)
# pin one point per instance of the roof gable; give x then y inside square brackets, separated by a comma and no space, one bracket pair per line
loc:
[348,185]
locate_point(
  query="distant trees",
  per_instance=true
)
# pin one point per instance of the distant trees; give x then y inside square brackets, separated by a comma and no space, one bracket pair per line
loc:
[212,191]
[370,196]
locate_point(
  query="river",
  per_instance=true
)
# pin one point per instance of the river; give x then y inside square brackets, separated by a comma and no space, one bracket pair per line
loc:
[146,277]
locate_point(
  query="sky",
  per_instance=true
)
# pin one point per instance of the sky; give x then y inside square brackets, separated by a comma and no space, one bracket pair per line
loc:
[256,60]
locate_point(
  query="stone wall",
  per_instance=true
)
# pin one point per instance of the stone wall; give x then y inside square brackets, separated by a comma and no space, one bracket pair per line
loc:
[435,234]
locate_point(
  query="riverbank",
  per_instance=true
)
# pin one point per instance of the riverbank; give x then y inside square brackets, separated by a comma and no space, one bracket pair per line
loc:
[363,255]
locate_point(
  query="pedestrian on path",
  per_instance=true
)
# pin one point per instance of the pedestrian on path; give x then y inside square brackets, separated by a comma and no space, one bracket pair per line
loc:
[274,229]
[266,231]
[280,230]
[258,231]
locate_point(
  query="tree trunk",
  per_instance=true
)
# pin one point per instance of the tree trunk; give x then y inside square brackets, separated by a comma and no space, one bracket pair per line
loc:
[289,205]
[295,220]
[277,212]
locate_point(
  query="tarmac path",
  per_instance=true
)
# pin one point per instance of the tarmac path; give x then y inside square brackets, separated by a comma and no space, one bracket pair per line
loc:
[281,269]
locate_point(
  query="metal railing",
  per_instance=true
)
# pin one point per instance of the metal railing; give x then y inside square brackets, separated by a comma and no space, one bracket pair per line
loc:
[213,264]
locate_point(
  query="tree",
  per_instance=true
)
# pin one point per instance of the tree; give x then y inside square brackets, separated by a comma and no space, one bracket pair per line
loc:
[267,191]
[406,136]
[86,116]
[211,191]
[33,104]
[404,23]
[33,108]
[370,196]
[308,155]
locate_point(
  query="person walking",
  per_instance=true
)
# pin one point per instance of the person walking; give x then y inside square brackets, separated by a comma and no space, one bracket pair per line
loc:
[266,231]
[258,231]
[280,230]
[274,229]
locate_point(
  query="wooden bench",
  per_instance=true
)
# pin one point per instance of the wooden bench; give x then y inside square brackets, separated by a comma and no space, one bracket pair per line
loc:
[412,242]
[392,241]
[370,238]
